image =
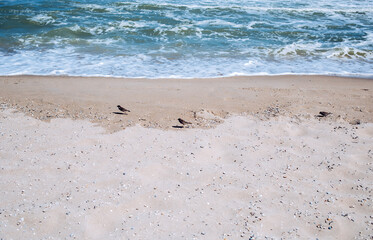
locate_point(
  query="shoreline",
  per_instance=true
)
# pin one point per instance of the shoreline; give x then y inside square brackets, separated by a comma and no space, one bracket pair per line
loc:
[205,102]
[349,75]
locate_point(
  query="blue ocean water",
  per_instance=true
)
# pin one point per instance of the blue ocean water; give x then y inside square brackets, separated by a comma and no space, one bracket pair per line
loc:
[190,38]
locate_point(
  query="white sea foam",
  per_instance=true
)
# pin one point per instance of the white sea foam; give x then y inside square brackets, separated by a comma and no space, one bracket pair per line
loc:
[75,28]
[297,49]
[42,19]
[96,7]
[94,30]
[218,22]
[252,63]
[69,62]
[133,24]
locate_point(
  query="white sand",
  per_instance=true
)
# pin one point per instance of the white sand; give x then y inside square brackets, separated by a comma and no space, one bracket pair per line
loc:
[281,178]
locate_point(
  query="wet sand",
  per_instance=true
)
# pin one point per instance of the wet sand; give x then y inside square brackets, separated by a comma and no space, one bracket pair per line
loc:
[159,103]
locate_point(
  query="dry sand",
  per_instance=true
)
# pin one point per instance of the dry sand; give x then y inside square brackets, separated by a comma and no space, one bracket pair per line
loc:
[269,169]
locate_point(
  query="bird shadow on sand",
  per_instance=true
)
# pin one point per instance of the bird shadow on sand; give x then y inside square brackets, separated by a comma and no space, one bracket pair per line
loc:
[177,126]
[120,113]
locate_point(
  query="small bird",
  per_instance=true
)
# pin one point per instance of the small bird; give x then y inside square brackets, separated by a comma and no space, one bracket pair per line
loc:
[122,109]
[183,121]
[324,114]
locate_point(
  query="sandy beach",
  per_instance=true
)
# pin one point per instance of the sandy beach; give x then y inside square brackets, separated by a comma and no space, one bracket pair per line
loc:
[257,162]
[158,103]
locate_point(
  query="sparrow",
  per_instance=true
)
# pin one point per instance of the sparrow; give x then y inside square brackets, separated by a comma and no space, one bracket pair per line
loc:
[324,114]
[183,121]
[122,109]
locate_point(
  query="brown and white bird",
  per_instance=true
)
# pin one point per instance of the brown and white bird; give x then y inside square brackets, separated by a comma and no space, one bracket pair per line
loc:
[122,109]
[183,121]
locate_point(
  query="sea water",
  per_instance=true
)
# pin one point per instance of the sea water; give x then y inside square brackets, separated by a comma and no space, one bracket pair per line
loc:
[190,38]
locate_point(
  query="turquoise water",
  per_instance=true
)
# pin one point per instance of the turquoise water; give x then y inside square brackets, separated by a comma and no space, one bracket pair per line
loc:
[186,38]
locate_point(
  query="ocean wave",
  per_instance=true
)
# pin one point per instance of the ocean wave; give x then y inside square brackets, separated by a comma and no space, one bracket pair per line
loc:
[42,19]
[204,38]
[350,53]
[296,49]
[159,6]
[315,50]
[198,9]
[69,61]
[219,23]
[96,8]
[134,24]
